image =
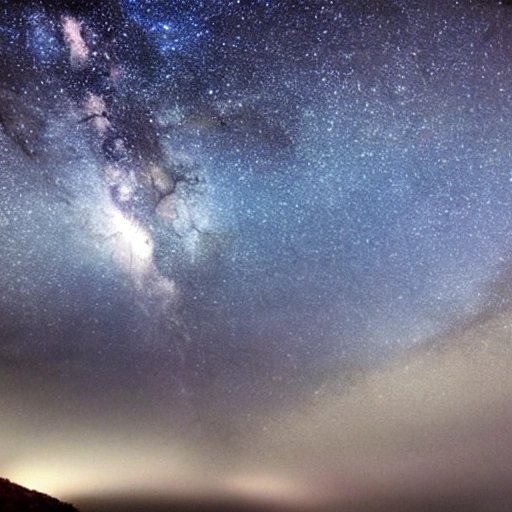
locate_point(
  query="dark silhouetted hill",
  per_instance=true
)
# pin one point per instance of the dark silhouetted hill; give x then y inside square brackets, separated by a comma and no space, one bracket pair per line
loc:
[14,498]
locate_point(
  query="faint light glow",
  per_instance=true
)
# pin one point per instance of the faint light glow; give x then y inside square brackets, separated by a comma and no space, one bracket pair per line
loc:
[78,51]
[96,106]
[195,225]
[267,486]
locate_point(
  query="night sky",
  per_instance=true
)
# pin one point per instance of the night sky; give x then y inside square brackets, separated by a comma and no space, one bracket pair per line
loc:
[257,252]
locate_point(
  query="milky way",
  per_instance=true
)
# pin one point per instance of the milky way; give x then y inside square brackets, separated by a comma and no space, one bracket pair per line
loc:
[257,250]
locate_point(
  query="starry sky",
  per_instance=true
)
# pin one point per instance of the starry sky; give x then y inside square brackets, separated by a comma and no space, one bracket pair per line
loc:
[257,252]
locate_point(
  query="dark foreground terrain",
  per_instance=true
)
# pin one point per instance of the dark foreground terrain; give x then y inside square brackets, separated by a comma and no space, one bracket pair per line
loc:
[14,498]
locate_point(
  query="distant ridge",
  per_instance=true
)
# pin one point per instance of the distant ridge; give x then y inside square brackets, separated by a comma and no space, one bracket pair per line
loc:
[15,498]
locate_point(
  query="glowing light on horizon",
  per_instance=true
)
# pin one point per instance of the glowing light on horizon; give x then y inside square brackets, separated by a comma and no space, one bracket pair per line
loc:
[99,468]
